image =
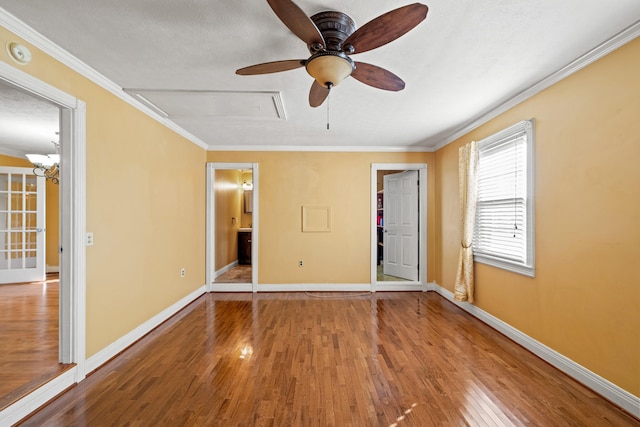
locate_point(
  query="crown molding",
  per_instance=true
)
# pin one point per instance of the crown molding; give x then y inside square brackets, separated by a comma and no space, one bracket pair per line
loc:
[322,148]
[615,42]
[36,39]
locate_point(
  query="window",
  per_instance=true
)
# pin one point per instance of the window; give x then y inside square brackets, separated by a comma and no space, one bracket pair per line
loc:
[504,234]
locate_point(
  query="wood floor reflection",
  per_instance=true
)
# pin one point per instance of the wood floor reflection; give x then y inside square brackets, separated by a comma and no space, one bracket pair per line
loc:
[29,337]
[319,359]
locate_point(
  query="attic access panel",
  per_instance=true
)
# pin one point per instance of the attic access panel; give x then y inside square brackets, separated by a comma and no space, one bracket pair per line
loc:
[185,104]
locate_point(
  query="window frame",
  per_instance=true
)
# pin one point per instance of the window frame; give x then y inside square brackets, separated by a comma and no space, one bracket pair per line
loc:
[527,267]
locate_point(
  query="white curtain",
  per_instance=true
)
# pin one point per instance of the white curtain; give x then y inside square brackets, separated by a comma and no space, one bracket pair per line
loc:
[468,187]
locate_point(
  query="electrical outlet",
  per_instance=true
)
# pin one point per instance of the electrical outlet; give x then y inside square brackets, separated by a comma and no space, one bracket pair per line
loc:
[182,272]
[300,263]
[89,239]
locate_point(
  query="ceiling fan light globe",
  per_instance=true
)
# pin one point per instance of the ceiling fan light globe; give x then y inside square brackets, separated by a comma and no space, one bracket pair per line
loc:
[329,68]
[40,160]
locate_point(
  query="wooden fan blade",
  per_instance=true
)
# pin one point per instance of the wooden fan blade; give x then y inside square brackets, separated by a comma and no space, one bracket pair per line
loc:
[377,77]
[317,94]
[271,67]
[386,28]
[297,21]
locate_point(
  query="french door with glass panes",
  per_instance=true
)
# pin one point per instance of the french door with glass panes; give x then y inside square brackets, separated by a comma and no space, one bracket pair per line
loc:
[22,226]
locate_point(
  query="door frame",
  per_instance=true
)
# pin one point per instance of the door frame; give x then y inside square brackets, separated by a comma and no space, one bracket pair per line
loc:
[72,326]
[211,285]
[421,283]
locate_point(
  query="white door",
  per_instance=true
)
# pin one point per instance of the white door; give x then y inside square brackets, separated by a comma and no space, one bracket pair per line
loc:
[400,258]
[22,219]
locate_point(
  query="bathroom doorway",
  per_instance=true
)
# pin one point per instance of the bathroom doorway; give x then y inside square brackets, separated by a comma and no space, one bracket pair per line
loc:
[232,196]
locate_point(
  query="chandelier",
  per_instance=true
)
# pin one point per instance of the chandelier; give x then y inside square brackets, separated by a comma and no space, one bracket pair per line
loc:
[47,165]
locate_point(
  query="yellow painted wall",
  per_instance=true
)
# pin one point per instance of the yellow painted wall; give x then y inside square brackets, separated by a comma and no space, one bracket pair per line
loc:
[247,218]
[52,222]
[53,225]
[145,206]
[228,202]
[585,299]
[290,180]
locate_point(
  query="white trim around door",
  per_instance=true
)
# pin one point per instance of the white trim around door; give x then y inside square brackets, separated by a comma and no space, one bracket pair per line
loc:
[420,284]
[212,286]
[72,222]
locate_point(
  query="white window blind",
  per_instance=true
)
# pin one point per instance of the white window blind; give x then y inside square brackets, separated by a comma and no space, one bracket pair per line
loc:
[503,234]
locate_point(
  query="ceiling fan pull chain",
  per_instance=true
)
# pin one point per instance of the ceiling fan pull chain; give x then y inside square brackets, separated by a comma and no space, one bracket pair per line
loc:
[329,85]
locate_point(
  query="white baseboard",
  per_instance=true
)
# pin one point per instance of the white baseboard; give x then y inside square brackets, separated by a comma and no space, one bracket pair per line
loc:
[225,269]
[398,287]
[605,388]
[431,287]
[316,287]
[31,402]
[231,287]
[53,269]
[104,355]
[319,287]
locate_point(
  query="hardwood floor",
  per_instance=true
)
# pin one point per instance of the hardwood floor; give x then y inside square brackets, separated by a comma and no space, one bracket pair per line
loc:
[322,359]
[29,337]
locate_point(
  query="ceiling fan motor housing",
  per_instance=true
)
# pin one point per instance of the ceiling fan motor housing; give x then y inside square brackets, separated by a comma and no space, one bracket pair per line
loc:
[335,27]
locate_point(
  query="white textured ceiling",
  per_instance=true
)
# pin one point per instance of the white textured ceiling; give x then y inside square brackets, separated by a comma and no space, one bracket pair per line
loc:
[27,124]
[465,59]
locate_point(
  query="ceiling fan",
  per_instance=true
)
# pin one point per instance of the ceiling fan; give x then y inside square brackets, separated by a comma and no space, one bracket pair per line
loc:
[331,37]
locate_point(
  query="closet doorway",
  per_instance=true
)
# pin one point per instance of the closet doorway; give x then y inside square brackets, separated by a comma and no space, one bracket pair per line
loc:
[398,226]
